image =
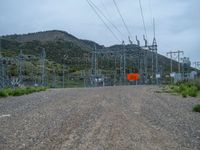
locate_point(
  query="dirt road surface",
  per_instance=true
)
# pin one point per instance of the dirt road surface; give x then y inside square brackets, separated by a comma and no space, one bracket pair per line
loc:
[107,118]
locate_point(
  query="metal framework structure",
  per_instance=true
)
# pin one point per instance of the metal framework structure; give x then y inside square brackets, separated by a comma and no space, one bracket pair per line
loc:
[171,57]
[123,56]
[197,64]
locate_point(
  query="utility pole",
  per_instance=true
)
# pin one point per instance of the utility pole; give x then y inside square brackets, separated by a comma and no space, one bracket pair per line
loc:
[171,65]
[21,65]
[63,77]
[179,65]
[171,60]
[121,69]
[0,48]
[94,66]
[145,66]
[115,73]
[152,56]
[1,61]
[2,67]
[146,48]
[63,71]
[35,77]
[54,79]
[94,61]
[32,74]
[155,49]
[43,57]
[84,77]
[144,56]
[124,62]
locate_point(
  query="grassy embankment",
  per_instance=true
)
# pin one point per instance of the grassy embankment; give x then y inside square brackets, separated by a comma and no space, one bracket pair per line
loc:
[189,88]
[185,89]
[20,91]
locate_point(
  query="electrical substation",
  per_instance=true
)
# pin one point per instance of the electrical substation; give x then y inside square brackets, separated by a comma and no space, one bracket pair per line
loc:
[103,66]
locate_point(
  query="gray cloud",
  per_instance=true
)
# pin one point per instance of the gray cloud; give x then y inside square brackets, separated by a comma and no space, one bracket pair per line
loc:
[177,22]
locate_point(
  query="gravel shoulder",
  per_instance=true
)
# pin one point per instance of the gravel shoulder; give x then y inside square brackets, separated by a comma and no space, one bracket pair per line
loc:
[107,118]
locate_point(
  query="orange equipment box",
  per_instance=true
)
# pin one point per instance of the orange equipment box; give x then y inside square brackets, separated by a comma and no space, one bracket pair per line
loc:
[133,76]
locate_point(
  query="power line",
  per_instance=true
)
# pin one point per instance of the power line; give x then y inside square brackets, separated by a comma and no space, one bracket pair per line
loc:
[118,10]
[105,8]
[114,26]
[110,20]
[152,17]
[99,16]
[150,8]
[142,15]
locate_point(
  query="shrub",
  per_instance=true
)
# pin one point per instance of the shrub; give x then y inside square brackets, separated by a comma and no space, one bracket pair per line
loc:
[20,91]
[42,88]
[197,84]
[30,90]
[176,89]
[196,108]
[193,91]
[183,87]
[184,94]
[9,91]
[3,93]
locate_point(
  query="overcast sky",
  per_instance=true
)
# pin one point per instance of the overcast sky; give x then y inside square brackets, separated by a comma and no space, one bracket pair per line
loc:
[177,21]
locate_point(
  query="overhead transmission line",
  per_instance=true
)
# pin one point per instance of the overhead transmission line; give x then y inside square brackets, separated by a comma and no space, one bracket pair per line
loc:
[107,18]
[143,21]
[105,8]
[151,11]
[120,14]
[152,17]
[99,16]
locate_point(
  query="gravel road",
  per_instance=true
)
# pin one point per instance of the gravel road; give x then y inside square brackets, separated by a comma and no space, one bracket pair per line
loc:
[107,118]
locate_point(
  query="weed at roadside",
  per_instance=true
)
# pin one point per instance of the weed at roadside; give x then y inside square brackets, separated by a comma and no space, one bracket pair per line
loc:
[196,108]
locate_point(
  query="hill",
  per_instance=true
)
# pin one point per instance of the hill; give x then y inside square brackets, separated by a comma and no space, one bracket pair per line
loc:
[56,44]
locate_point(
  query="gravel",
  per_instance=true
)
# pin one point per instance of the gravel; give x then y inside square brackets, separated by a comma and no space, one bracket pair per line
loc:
[113,118]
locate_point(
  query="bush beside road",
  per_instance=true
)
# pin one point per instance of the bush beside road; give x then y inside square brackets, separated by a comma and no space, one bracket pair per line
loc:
[20,91]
